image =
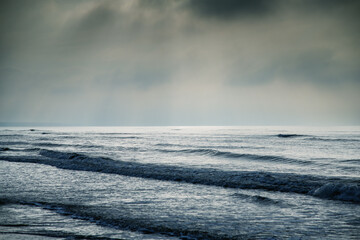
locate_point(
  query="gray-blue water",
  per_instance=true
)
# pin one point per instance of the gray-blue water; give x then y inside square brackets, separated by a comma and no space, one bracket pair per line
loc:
[180,183]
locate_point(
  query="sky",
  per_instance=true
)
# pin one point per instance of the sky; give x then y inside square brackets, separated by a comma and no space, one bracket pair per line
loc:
[180,62]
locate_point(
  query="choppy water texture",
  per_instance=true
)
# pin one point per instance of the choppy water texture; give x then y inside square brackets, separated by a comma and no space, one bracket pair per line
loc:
[180,183]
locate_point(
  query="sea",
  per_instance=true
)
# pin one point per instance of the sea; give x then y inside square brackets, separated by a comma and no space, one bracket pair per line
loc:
[180,182]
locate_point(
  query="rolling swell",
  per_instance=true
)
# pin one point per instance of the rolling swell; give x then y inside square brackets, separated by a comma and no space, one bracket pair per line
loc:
[282,182]
[317,138]
[324,139]
[116,218]
[13,143]
[290,135]
[203,147]
[351,161]
[50,144]
[257,199]
[225,154]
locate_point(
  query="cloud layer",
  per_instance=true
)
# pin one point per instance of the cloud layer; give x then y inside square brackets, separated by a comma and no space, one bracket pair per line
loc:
[180,62]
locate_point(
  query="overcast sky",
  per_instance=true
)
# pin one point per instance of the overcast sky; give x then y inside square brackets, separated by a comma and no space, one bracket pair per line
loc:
[180,62]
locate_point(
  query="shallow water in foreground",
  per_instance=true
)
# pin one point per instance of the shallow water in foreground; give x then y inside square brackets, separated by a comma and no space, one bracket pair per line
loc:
[180,183]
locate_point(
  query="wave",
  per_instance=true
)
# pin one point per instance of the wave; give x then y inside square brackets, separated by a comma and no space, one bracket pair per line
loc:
[69,136]
[14,143]
[338,191]
[225,154]
[37,146]
[257,199]
[351,161]
[114,133]
[271,181]
[316,138]
[324,139]
[291,135]
[47,233]
[203,146]
[50,144]
[123,137]
[108,217]
[11,135]
[169,145]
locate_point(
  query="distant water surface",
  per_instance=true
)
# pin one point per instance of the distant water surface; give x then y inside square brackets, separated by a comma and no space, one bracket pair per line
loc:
[180,183]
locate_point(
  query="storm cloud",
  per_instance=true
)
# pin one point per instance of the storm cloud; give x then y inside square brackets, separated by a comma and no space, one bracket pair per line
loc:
[180,62]
[228,9]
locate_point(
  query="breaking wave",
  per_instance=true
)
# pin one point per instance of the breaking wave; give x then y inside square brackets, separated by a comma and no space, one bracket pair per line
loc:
[338,191]
[323,187]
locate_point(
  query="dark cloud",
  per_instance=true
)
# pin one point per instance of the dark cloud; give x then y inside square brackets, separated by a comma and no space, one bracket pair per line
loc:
[229,9]
[233,9]
[161,59]
[98,19]
[329,4]
[155,4]
[16,18]
[316,67]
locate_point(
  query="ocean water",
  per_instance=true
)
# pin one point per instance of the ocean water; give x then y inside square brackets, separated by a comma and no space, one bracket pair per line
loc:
[180,183]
